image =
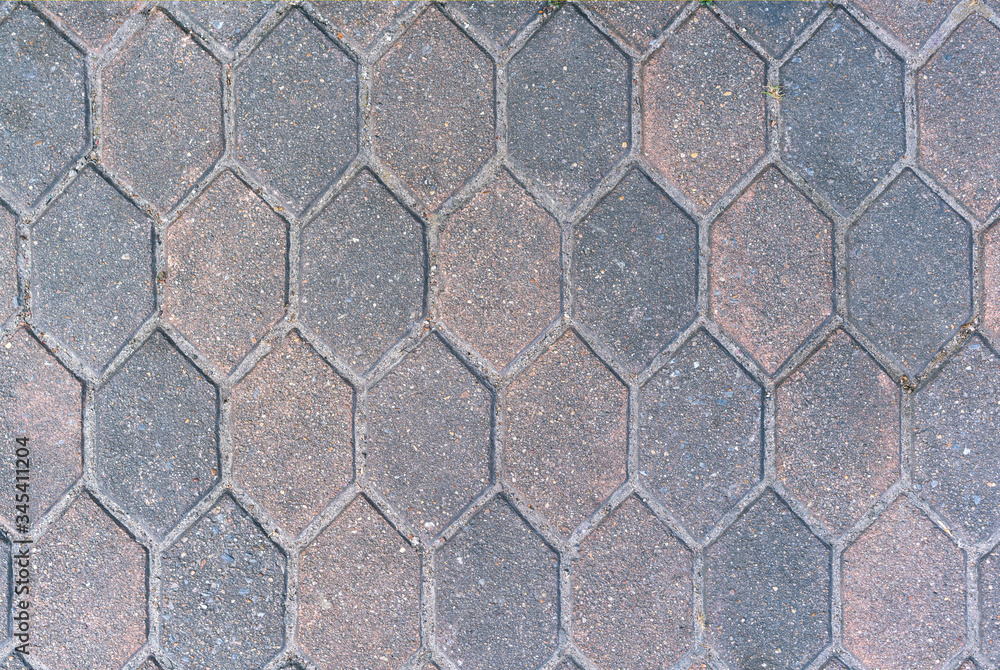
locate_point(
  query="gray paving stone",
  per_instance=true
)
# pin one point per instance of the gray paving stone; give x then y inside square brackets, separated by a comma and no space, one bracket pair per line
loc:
[773,25]
[43,124]
[362,20]
[843,107]
[363,272]
[911,21]
[296,110]
[635,270]
[497,595]
[95,23]
[91,278]
[223,592]
[639,22]
[500,19]
[909,284]
[155,447]
[568,106]
[989,573]
[228,21]
[8,264]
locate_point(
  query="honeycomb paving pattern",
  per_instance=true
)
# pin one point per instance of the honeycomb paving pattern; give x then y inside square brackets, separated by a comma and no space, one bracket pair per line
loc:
[490,335]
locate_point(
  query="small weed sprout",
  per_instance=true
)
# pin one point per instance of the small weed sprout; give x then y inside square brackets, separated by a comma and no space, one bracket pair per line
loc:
[775,92]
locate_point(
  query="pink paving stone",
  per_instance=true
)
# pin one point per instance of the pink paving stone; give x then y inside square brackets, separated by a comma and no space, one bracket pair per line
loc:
[959,120]
[226,271]
[95,22]
[837,445]
[8,265]
[911,21]
[362,20]
[42,402]
[991,281]
[89,572]
[360,593]
[292,433]
[771,283]
[566,422]
[162,112]
[904,593]
[500,270]
[703,108]
[433,112]
[632,592]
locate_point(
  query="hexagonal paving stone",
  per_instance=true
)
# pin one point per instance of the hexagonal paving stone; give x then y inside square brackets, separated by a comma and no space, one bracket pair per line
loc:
[989,607]
[703,108]
[956,420]
[568,106]
[909,284]
[843,108]
[767,590]
[904,593]
[635,270]
[225,271]
[497,593]
[227,21]
[91,274]
[959,124]
[357,612]
[42,93]
[500,20]
[433,112]
[42,402]
[773,25]
[292,433]
[566,423]
[8,265]
[94,23]
[700,433]
[362,20]
[363,272]
[500,270]
[296,110]
[910,21]
[770,276]
[428,439]
[639,22]
[155,448]
[223,592]
[632,592]
[162,112]
[837,425]
[86,572]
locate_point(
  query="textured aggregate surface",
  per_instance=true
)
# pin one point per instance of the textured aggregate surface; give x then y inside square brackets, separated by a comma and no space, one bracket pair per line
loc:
[520,335]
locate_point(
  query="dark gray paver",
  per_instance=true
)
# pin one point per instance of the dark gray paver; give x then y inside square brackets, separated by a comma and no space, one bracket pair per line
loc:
[225,283]
[501,20]
[959,124]
[770,274]
[566,423]
[296,110]
[428,441]
[910,21]
[568,106]
[8,265]
[292,433]
[95,22]
[43,125]
[700,434]
[703,108]
[223,592]
[909,283]
[500,270]
[904,600]
[989,574]
[360,586]
[363,272]
[843,107]
[767,590]
[635,270]
[433,110]
[837,432]
[640,22]
[773,25]
[87,571]
[632,589]
[956,420]
[162,97]
[155,448]
[227,21]
[497,595]
[362,20]
[92,279]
